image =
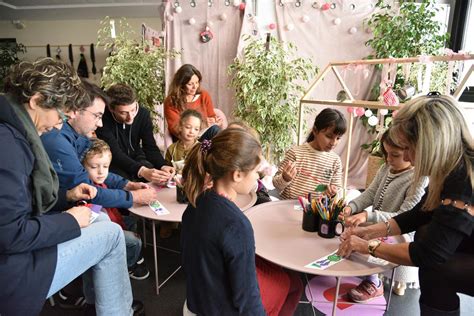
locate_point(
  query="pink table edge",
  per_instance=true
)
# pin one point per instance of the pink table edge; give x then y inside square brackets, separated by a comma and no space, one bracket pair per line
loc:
[280,239]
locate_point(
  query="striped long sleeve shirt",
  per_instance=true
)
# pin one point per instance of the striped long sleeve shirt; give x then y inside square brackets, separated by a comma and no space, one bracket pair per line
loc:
[313,167]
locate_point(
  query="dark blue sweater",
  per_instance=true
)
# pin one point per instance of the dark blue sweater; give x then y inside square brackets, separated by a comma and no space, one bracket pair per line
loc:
[218,254]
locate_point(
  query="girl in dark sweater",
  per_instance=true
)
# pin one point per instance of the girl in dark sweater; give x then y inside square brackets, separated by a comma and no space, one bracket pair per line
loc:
[218,247]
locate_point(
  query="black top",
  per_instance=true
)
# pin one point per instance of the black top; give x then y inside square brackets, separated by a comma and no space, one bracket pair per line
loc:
[448,229]
[218,257]
[130,143]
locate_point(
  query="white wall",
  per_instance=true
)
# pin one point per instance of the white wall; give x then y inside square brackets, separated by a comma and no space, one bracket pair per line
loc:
[37,34]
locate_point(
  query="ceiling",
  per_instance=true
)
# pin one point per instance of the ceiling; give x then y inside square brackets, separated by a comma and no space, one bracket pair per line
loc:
[76,9]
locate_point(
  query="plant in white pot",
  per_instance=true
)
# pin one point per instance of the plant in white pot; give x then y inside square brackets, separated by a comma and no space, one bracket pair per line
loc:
[268,82]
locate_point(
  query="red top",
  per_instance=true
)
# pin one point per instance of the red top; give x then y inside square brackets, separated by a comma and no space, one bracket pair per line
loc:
[113,212]
[203,105]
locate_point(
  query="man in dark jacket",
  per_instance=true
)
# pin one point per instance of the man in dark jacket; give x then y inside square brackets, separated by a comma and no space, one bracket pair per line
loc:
[128,129]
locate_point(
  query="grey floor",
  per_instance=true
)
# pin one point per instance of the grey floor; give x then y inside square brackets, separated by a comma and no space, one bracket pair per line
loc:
[172,294]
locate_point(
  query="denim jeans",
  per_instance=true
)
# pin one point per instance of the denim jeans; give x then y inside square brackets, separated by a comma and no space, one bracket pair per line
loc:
[133,242]
[98,254]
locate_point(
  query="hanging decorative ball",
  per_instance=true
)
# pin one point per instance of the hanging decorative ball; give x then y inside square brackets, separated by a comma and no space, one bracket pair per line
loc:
[333,5]
[236,3]
[325,7]
[210,24]
[352,6]
[272,26]
[242,6]
[192,21]
[350,109]
[353,30]
[359,111]
[368,113]
[290,27]
[223,17]
[383,112]
[305,19]
[316,5]
[373,120]
[169,17]
[336,21]
[178,10]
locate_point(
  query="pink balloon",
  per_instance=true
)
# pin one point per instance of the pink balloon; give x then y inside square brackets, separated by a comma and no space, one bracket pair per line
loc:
[242,6]
[360,111]
[325,7]
[272,26]
[350,109]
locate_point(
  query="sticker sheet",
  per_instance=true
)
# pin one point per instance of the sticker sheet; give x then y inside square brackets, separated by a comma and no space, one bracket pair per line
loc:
[325,262]
[158,208]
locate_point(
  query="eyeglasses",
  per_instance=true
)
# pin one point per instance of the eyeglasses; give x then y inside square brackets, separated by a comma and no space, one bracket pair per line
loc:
[98,116]
[64,117]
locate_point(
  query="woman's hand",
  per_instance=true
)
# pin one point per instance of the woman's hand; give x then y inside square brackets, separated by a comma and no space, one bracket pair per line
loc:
[144,196]
[82,214]
[131,186]
[83,191]
[346,212]
[365,232]
[289,171]
[356,220]
[352,243]
[156,175]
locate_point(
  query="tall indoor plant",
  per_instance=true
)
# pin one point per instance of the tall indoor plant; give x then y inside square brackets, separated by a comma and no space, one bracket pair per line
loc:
[268,81]
[9,56]
[133,62]
[407,30]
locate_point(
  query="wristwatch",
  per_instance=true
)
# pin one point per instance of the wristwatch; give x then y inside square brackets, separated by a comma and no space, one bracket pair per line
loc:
[373,245]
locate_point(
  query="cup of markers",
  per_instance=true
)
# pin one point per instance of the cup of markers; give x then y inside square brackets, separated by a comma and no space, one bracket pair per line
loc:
[310,218]
[329,209]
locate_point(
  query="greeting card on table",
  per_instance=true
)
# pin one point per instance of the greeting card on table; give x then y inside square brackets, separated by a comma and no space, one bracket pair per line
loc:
[325,262]
[158,208]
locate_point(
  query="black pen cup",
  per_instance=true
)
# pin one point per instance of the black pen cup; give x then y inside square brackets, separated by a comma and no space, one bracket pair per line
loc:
[330,228]
[310,221]
[180,195]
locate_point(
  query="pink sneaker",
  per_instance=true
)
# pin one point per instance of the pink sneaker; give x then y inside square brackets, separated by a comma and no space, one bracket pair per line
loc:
[365,292]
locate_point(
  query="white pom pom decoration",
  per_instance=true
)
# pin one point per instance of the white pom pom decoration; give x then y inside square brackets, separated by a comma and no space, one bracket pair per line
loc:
[373,120]
[290,27]
[236,3]
[383,112]
[353,30]
[336,21]
[368,113]
[178,10]
[305,19]
[192,21]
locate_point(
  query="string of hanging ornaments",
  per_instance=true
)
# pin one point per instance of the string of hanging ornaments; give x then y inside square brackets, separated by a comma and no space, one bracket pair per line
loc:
[319,6]
[205,35]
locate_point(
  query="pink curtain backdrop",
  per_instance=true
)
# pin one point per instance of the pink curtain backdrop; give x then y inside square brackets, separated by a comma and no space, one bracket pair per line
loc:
[211,58]
[325,36]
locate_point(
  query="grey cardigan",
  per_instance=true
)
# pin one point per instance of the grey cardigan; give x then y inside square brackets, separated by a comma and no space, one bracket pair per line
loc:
[397,198]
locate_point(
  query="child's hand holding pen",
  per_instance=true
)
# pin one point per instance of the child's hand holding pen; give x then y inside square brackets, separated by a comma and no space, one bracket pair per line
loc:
[347,211]
[289,171]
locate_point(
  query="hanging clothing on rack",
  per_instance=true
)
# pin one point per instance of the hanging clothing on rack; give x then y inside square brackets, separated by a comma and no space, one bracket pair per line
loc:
[82,69]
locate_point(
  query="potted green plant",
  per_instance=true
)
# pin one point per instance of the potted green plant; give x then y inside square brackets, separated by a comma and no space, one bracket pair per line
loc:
[268,82]
[405,31]
[133,62]
[9,56]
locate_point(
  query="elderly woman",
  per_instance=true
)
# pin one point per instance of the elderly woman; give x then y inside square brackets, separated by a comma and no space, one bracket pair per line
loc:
[436,139]
[42,251]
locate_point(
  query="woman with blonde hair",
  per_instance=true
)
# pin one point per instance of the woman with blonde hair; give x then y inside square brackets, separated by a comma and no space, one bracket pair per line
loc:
[436,139]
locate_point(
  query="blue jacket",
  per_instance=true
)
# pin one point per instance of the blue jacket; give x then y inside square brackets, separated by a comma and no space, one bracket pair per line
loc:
[66,148]
[219,259]
[28,244]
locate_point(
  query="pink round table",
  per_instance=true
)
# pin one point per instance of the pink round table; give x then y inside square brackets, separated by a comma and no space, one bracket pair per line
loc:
[167,197]
[280,239]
